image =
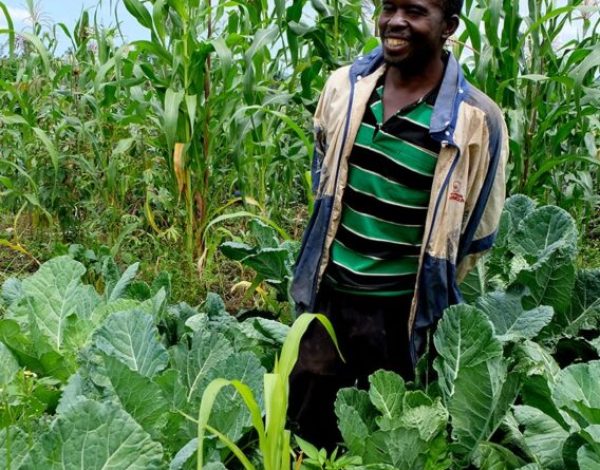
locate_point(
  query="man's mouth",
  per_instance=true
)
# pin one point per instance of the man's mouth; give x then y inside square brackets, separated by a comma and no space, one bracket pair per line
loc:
[395,43]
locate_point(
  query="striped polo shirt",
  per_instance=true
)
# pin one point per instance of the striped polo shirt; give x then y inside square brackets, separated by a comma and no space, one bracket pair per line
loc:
[391,166]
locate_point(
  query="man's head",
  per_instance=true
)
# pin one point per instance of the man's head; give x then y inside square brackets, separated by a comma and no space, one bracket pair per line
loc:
[413,32]
[452,7]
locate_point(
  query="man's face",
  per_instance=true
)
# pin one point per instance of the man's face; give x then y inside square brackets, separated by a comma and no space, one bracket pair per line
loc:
[413,32]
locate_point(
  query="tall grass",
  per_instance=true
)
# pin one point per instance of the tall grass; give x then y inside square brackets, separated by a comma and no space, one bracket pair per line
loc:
[541,64]
[273,437]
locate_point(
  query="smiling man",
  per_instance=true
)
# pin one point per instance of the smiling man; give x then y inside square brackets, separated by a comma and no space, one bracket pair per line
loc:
[408,173]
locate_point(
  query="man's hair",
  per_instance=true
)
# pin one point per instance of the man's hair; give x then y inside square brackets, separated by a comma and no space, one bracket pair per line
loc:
[452,7]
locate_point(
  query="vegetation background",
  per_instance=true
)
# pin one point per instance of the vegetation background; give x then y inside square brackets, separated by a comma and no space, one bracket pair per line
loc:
[160,149]
[186,151]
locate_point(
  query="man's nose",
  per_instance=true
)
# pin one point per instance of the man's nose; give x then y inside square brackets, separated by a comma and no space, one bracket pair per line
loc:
[398,20]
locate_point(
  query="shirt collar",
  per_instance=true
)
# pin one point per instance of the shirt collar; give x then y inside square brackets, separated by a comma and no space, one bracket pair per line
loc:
[451,91]
[428,98]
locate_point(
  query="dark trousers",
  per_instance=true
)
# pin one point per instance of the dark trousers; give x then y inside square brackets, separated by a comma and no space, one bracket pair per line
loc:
[372,333]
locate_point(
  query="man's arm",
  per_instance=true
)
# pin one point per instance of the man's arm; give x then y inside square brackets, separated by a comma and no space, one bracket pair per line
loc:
[320,143]
[326,120]
[491,198]
[320,135]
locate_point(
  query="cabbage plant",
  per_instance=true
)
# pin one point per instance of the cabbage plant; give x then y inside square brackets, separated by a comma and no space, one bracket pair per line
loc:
[499,398]
[113,377]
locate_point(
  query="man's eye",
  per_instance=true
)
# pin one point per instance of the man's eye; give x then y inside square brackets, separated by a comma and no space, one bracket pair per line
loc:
[415,11]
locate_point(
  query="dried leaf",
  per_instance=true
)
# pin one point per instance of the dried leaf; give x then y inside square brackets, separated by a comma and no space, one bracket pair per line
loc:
[179,166]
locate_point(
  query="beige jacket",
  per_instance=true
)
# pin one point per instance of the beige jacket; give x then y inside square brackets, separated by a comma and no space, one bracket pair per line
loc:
[467,196]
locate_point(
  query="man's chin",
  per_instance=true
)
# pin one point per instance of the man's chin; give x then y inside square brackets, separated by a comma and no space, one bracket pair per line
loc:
[409,63]
[395,61]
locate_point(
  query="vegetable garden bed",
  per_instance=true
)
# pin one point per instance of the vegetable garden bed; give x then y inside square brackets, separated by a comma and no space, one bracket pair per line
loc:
[113,376]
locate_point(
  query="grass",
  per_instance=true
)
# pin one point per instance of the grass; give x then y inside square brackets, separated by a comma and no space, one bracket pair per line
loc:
[589,256]
[155,254]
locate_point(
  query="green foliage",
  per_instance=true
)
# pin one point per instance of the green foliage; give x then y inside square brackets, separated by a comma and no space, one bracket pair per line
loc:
[313,458]
[571,441]
[142,146]
[271,259]
[527,57]
[93,435]
[130,337]
[392,426]
[111,372]
[536,249]
[161,136]
[499,389]
[121,393]
[474,379]
[150,147]
[273,437]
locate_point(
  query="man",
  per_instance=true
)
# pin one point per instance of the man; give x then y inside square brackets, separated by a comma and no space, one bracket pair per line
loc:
[409,178]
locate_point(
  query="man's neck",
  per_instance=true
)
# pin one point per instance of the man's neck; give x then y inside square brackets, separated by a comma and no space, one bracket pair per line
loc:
[403,88]
[410,78]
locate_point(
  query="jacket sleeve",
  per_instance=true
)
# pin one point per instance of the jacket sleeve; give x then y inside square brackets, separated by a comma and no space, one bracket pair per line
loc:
[490,203]
[325,122]
[320,149]
[320,139]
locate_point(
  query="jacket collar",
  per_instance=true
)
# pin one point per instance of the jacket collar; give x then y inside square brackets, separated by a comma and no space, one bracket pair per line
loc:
[451,93]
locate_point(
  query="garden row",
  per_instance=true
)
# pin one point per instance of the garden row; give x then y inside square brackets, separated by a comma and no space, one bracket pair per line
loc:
[101,370]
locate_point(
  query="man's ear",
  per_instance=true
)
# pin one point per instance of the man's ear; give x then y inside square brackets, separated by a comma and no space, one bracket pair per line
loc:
[451,26]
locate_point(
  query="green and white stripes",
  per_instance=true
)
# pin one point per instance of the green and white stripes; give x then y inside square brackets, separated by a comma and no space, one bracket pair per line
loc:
[385,203]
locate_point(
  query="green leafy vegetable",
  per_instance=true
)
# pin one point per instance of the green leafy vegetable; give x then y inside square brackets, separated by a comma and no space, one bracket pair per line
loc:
[390,426]
[94,435]
[576,392]
[511,321]
[132,337]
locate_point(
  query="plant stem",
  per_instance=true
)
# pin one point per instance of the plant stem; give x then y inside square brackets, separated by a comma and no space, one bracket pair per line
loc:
[207,137]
